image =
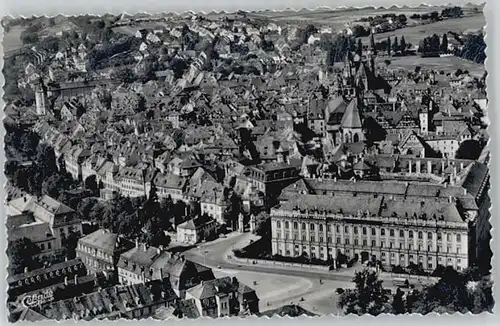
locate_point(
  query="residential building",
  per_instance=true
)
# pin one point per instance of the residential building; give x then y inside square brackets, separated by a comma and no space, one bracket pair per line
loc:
[135,301]
[59,219]
[44,277]
[223,297]
[196,230]
[101,250]
[141,264]
[184,274]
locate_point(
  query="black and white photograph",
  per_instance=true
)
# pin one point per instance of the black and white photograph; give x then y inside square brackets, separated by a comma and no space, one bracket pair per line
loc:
[300,162]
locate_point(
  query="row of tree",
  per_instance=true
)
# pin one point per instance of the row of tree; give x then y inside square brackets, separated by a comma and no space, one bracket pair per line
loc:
[434,45]
[470,291]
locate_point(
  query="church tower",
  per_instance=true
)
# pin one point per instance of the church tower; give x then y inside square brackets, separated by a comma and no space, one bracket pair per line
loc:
[41,99]
[423,116]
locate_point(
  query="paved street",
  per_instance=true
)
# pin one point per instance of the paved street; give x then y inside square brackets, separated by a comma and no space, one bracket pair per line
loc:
[214,254]
[275,290]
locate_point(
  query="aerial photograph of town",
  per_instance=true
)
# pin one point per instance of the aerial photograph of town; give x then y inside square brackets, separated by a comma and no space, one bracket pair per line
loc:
[248,163]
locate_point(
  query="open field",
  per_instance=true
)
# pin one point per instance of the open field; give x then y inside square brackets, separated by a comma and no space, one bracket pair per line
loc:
[338,18]
[12,39]
[415,34]
[446,64]
[131,30]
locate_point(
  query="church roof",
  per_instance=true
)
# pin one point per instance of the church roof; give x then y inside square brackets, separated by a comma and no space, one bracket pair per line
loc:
[351,118]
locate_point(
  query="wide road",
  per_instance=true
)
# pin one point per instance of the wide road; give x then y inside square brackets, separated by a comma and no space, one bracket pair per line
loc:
[214,254]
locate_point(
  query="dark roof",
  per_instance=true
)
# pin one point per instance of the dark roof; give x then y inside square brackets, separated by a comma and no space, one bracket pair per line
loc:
[475,178]
[288,310]
[104,240]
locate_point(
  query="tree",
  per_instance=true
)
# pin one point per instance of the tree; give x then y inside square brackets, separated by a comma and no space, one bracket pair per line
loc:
[474,49]
[21,254]
[398,303]
[369,297]
[29,37]
[52,187]
[263,224]
[91,184]
[125,75]
[359,48]
[453,12]
[50,44]
[395,45]
[69,244]
[179,66]
[388,45]
[402,45]
[338,49]
[372,44]
[306,33]
[434,15]
[444,43]
[402,19]
[233,210]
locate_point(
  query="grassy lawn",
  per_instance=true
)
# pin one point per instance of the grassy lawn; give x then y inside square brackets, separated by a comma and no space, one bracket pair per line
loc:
[447,64]
[12,39]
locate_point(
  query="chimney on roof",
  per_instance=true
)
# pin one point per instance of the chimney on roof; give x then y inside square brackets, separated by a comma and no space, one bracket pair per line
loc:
[76,279]
[66,280]
[145,246]
[158,251]
[450,199]
[137,243]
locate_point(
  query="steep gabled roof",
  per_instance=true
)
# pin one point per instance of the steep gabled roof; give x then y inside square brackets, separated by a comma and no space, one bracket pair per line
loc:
[351,118]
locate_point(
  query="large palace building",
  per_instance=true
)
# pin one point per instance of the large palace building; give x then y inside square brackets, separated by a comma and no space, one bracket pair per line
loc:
[436,225]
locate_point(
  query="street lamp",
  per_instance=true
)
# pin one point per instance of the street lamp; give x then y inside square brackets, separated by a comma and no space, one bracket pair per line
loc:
[205,257]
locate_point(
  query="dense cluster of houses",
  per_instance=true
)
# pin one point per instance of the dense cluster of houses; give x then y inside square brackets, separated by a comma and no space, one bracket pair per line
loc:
[359,160]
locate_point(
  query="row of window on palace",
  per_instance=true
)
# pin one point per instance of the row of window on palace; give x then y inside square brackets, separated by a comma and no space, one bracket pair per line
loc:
[384,259]
[392,245]
[364,231]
